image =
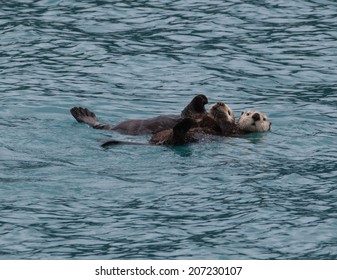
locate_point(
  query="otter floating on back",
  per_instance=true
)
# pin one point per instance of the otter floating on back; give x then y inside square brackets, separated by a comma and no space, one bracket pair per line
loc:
[220,121]
[184,129]
[195,110]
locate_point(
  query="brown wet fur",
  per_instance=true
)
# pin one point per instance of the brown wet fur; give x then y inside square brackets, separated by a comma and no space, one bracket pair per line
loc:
[195,109]
[215,122]
[178,135]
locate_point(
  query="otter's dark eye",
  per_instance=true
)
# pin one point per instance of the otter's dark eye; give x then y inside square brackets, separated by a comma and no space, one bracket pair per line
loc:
[248,114]
[264,119]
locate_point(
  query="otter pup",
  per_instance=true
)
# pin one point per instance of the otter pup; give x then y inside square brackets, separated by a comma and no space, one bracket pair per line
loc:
[220,121]
[195,110]
[223,120]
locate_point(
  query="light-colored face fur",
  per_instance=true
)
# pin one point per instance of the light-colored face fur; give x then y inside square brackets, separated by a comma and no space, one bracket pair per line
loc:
[253,121]
[222,111]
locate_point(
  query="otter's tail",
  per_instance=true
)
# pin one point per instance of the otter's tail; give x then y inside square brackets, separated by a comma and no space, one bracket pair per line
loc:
[118,142]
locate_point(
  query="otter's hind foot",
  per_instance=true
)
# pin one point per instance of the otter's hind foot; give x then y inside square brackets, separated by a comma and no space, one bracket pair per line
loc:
[83,115]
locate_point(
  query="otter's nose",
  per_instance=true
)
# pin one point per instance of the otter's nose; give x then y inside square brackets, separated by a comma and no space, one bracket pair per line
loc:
[256,117]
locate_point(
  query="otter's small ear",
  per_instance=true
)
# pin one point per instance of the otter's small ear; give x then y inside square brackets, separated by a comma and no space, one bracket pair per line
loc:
[242,113]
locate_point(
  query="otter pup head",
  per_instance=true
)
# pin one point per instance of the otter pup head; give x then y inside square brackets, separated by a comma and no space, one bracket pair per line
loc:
[224,116]
[253,121]
[196,107]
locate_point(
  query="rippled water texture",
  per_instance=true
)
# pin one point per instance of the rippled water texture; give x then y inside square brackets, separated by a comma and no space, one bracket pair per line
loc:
[262,196]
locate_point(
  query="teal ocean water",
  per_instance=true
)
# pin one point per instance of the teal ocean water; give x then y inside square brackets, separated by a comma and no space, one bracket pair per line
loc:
[262,196]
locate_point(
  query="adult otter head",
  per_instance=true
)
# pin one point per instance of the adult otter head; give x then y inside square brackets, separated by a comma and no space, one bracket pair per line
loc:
[196,107]
[224,117]
[253,121]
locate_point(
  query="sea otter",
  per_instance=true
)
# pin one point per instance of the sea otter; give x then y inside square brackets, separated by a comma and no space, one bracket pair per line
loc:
[220,121]
[195,110]
[224,119]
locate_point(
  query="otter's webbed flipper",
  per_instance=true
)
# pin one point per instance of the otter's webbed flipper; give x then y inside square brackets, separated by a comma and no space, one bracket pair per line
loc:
[196,107]
[84,115]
